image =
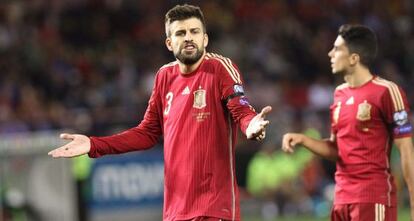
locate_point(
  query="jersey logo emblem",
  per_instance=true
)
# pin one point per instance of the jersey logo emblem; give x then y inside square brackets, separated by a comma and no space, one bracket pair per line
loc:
[401,117]
[243,101]
[238,89]
[364,111]
[350,101]
[186,91]
[199,98]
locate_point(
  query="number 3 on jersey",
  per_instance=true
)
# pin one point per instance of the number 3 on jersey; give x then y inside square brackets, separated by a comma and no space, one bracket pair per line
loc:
[169,98]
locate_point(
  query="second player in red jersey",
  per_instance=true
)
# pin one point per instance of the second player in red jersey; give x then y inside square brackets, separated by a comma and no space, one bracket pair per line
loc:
[368,115]
[363,124]
[196,104]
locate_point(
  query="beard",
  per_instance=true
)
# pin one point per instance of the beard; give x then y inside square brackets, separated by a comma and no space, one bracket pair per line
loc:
[189,59]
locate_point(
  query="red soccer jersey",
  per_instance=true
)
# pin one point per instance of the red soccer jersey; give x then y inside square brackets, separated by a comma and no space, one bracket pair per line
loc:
[197,114]
[365,120]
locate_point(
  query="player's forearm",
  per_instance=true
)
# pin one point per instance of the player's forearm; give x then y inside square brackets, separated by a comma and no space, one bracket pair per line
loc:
[324,148]
[405,146]
[127,141]
[242,113]
[408,173]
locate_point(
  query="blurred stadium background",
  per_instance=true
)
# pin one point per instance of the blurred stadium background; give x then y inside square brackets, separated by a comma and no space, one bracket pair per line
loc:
[87,66]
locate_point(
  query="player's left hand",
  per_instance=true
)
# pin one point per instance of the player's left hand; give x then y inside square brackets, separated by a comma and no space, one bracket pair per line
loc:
[257,126]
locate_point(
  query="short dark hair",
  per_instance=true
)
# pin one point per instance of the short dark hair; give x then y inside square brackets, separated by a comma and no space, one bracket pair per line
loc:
[182,12]
[360,40]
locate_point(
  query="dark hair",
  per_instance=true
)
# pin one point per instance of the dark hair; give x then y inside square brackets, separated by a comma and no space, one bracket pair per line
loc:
[182,12]
[360,40]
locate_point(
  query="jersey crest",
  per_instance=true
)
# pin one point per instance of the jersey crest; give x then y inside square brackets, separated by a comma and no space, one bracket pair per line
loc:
[199,98]
[364,111]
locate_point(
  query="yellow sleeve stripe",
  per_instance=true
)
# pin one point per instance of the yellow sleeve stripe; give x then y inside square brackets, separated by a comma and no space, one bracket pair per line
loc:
[394,91]
[391,88]
[234,74]
[231,70]
[230,64]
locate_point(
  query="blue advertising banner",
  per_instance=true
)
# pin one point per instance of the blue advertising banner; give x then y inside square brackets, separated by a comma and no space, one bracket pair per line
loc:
[128,180]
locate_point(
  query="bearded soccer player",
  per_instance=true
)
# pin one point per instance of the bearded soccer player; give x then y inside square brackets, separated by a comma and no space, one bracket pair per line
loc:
[196,103]
[368,114]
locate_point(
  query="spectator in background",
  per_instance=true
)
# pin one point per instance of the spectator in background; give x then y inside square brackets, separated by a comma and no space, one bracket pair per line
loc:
[367,115]
[196,103]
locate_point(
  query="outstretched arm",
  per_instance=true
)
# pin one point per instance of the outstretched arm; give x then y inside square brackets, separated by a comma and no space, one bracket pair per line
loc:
[141,137]
[79,144]
[405,146]
[253,125]
[325,148]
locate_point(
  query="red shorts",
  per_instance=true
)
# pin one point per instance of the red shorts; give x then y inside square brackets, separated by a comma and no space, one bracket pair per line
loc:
[363,212]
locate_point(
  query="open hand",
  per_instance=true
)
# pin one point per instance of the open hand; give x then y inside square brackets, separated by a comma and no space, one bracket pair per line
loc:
[257,126]
[78,145]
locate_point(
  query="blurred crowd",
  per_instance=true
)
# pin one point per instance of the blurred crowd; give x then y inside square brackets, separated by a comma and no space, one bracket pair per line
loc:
[88,65]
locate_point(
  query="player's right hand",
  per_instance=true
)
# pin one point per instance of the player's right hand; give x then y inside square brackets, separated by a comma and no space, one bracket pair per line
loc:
[290,140]
[78,145]
[257,126]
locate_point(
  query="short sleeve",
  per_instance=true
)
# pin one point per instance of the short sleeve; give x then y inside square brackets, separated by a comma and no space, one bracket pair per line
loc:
[396,111]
